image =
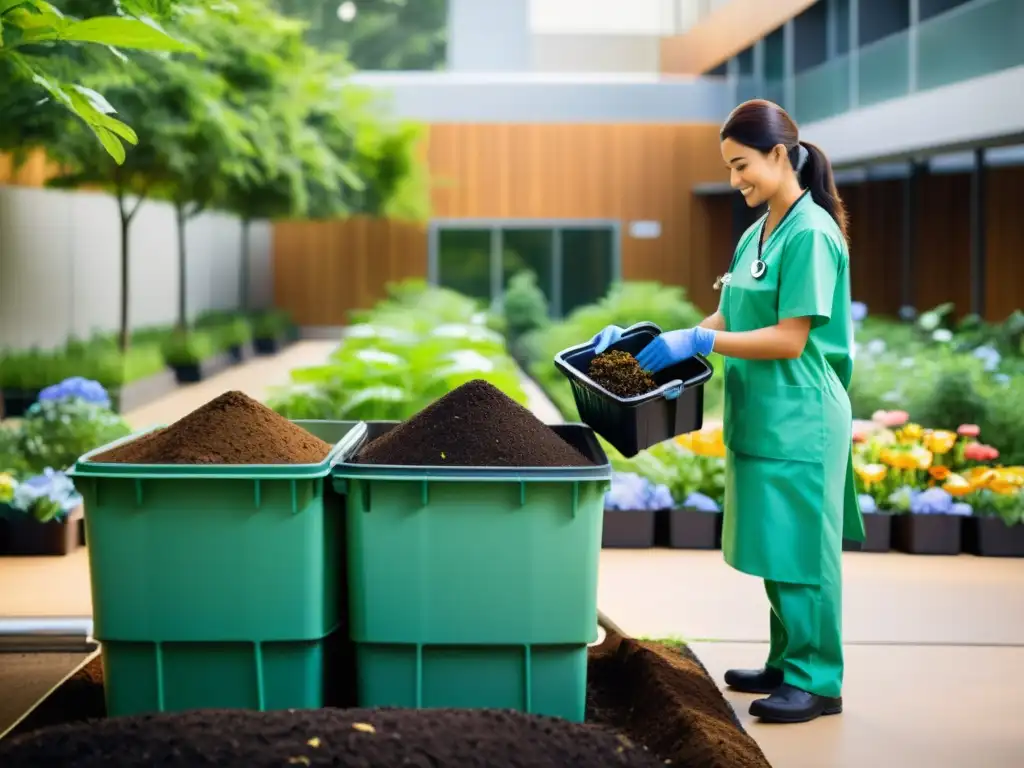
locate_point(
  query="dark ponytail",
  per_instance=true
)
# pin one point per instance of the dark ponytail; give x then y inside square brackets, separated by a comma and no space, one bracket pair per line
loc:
[816,175]
[764,125]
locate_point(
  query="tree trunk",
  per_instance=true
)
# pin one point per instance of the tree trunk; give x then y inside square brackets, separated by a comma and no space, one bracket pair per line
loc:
[126,220]
[243,268]
[182,220]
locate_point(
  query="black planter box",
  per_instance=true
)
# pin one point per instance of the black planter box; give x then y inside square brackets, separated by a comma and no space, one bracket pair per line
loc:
[270,346]
[693,529]
[17,401]
[927,534]
[239,353]
[878,534]
[196,372]
[27,536]
[628,529]
[991,537]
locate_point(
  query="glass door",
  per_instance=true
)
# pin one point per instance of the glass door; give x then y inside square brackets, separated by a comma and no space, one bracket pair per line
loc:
[575,262]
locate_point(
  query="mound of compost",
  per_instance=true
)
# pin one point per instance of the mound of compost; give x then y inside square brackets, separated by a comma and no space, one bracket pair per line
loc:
[475,425]
[664,698]
[230,429]
[438,738]
[657,697]
[621,374]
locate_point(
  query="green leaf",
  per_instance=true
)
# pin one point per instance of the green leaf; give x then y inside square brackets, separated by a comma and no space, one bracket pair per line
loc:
[123,33]
[6,5]
[110,143]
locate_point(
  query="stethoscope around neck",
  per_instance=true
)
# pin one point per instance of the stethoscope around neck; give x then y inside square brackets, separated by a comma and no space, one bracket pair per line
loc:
[759,268]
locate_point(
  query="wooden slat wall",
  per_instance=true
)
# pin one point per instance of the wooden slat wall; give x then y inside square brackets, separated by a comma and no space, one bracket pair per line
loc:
[942,250]
[498,171]
[324,269]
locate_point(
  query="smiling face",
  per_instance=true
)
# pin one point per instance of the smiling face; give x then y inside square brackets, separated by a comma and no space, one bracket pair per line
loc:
[755,174]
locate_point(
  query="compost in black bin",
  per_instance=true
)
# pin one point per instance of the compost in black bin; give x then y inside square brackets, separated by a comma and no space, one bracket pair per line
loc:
[632,424]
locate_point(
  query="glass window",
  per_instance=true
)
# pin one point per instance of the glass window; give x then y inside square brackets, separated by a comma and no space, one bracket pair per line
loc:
[588,256]
[464,261]
[529,249]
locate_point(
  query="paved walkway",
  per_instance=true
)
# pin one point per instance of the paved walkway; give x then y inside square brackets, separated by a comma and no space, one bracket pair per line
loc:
[935,646]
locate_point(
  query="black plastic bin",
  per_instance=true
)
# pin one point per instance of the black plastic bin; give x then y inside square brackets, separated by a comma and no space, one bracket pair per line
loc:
[632,424]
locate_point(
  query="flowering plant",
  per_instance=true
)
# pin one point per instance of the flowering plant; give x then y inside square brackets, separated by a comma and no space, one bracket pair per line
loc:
[77,387]
[56,432]
[907,468]
[630,491]
[47,496]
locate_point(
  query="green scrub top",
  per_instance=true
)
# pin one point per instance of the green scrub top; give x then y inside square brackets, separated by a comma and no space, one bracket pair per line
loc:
[790,496]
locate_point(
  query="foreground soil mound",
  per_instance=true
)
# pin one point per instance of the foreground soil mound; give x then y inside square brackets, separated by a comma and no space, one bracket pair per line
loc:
[675,708]
[658,698]
[230,429]
[326,737]
[621,374]
[475,425]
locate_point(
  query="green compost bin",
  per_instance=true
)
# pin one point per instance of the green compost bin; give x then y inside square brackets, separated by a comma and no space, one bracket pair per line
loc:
[474,587]
[215,586]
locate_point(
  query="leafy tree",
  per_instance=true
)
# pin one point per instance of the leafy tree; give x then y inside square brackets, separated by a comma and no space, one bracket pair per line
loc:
[34,41]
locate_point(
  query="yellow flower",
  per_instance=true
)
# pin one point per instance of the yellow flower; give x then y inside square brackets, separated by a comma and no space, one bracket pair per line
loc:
[910,433]
[7,486]
[898,459]
[1005,482]
[956,485]
[940,473]
[940,442]
[708,443]
[922,457]
[872,473]
[686,441]
[979,477]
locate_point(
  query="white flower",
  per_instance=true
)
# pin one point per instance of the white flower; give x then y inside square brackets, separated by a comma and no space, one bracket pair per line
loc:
[942,335]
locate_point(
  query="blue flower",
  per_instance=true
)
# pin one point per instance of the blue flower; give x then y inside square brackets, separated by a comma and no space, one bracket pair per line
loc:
[701,503]
[859,311]
[867,503]
[934,501]
[77,387]
[50,487]
[908,313]
[989,356]
[630,491]
[961,509]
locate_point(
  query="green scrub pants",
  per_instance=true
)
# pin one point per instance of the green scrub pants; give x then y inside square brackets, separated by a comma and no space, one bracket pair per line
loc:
[806,634]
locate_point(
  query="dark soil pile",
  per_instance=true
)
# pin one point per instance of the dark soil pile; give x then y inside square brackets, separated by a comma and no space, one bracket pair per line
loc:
[475,425]
[664,699]
[657,698]
[621,374]
[326,737]
[230,429]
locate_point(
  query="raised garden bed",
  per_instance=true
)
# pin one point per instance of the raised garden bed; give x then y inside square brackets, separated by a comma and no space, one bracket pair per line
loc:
[931,534]
[191,373]
[877,534]
[694,529]
[629,528]
[991,537]
[271,345]
[17,401]
[26,536]
[648,705]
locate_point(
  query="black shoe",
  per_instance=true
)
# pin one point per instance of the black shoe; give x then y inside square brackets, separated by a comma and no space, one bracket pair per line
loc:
[791,705]
[754,680]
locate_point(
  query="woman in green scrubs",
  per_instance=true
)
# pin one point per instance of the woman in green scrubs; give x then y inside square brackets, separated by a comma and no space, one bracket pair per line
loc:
[784,327]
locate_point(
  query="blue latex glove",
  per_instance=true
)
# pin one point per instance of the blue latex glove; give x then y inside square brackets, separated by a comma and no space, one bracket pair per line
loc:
[606,338]
[675,346]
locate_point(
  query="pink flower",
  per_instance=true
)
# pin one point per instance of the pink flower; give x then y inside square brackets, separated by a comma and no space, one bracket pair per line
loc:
[860,436]
[968,430]
[890,419]
[980,452]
